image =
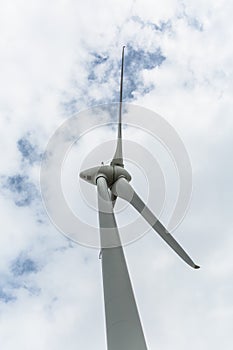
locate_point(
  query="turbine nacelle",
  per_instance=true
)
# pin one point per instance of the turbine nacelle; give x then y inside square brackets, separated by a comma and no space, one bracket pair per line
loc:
[110,172]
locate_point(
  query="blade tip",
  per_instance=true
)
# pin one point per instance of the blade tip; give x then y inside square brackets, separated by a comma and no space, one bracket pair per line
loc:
[196,267]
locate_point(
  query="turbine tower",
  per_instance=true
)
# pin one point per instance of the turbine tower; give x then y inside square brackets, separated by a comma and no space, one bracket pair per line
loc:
[123,326]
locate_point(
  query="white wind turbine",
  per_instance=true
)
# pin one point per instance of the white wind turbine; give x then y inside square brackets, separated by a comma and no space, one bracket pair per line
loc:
[123,327]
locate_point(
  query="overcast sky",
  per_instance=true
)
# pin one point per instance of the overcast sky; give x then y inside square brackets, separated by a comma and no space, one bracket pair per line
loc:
[60,57]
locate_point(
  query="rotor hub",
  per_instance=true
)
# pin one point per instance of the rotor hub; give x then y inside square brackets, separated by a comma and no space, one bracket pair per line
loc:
[110,172]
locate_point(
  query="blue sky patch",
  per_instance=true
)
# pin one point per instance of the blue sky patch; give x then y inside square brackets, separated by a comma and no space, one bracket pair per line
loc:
[24,191]
[135,62]
[99,59]
[190,20]
[103,74]
[23,266]
[161,26]
[28,151]
[32,290]
[193,22]
[71,105]
[6,297]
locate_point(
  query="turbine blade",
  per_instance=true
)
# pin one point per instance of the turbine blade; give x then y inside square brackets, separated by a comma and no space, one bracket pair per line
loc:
[123,189]
[123,326]
[113,199]
[118,156]
[109,235]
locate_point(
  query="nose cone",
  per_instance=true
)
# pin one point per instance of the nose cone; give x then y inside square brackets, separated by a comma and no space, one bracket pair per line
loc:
[85,175]
[82,175]
[89,175]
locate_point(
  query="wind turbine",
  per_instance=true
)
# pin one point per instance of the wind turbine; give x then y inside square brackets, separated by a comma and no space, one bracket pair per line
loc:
[123,326]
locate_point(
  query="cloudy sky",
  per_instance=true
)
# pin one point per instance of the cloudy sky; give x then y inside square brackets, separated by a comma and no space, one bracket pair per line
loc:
[60,57]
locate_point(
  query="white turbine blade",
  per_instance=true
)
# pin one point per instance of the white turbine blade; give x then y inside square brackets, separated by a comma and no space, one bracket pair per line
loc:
[123,326]
[123,189]
[109,235]
[118,156]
